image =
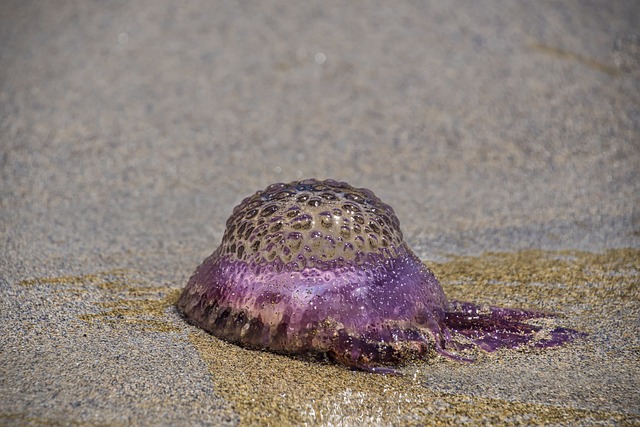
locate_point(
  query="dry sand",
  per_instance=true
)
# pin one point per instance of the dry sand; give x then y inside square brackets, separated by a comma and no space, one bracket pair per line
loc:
[506,135]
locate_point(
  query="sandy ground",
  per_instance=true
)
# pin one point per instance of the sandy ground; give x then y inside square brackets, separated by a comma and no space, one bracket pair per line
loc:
[506,135]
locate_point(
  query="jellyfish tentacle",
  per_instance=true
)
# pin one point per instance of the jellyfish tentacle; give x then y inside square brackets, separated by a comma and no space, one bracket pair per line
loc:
[491,328]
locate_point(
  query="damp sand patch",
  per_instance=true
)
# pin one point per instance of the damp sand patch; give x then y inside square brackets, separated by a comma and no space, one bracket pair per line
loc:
[596,293]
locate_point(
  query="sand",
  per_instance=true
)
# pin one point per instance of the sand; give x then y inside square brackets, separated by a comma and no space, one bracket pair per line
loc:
[505,135]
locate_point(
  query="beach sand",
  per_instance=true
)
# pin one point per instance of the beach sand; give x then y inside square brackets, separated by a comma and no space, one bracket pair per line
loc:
[506,136]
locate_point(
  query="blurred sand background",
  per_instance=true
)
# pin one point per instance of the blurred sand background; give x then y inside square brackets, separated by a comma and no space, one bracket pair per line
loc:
[129,131]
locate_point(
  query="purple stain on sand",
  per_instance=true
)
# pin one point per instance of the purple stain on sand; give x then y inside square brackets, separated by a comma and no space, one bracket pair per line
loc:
[321,268]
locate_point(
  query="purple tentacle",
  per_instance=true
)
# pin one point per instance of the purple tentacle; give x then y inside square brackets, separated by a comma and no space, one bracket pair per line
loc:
[491,328]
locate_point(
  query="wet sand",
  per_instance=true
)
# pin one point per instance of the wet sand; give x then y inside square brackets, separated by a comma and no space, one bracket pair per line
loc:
[504,135]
